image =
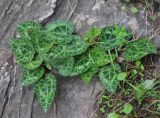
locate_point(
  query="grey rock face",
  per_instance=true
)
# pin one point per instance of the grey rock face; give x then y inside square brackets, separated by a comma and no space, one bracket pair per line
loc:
[157,1]
[101,13]
[16,101]
[74,99]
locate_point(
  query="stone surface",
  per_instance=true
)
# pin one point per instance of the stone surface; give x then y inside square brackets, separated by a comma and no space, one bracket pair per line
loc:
[74,99]
[104,12]
[16,101]
[157,1]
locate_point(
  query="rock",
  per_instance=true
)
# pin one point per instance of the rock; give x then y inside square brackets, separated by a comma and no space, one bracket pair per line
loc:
[16,101]
[74,98]
[158,1]
[133,24]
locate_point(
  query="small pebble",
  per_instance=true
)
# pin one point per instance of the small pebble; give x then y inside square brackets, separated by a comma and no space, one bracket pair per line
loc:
[1,78]
[6,64]
[2,68]
[6,73]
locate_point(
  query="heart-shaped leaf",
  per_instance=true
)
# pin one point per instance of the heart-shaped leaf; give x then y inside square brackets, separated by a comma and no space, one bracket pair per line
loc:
[45,91]
[76,47]
[32,76]
[113,36]
[35,63]
[41,41]
[100,57]
[27,27]
[63,38]
[139,48]
[23,50]
[82,65]
[108,77]
[67,67]
[61,27]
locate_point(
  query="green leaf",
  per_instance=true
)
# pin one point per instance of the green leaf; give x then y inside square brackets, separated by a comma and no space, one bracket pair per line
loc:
[113,36]
[122,33]
[61,27]
[23,50]
[42,42]
[134,10]
[63,38]
[122,76]
[67,67]
[108,77]
[32,76]
[140,92]
[58,62]
[45,91]
[113,115]
[127,109]
[54,62]
[87,76]
[76,47]
[149,84]
[35,63]
[138,63]
[82,65]
[100,57]
[27,27]
[92,34]
[139,48]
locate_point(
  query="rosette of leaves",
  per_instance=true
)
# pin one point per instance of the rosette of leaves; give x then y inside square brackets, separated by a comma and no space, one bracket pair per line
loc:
[113,37]
[40,49]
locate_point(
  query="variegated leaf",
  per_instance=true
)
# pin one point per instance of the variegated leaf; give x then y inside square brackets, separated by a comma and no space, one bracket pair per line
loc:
[87,76]
[61,27]
[32,76]
[139,48]
[23,50]
[108,77]
[45,91]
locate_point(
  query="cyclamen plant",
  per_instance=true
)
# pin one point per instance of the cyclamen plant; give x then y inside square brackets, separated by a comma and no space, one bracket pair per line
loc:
[40,49]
